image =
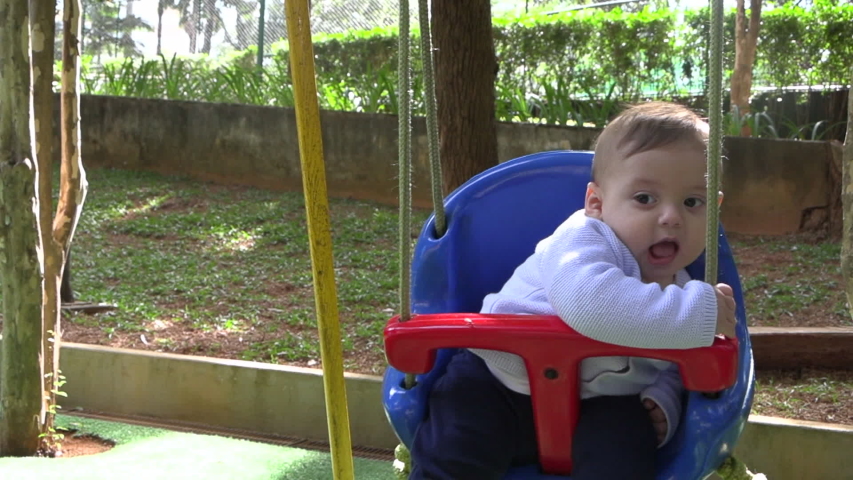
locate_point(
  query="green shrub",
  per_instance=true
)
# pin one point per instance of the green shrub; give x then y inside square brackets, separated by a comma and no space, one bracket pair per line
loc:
[572,67]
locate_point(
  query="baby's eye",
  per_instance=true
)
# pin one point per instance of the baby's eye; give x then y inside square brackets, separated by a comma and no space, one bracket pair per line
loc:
[644,199]
[693,202]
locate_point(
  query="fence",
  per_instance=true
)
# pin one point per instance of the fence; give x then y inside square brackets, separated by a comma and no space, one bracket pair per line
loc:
[127,28]
[218,31]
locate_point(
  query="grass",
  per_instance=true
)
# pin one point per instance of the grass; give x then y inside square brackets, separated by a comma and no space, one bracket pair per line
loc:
[177,253]
[822,396]
[225,271]
[792,281]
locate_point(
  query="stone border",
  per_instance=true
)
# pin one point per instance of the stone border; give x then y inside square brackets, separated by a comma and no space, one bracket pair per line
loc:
[289,401]
[793,348]
[234,394]
[786,449]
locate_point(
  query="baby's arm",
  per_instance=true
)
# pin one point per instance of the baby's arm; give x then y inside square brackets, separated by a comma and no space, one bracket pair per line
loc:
[666,393]
[593,283]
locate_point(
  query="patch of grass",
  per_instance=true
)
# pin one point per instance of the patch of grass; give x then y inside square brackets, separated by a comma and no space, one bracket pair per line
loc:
[289,347]
[826,255]
[814,395]
[755,282]
[227,260]
[791,280]
[231,267]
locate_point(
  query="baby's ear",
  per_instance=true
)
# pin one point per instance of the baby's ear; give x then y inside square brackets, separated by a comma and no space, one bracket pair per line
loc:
[592,203]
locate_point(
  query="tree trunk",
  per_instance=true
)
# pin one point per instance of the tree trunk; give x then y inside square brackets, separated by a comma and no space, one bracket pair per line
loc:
[66,293]
[209,23]
[161,7]
[72,183]
[43,31]
[195,23]
[746,40]
[847,201]
[21,396]
[835,177]
[465,68]
[126,39]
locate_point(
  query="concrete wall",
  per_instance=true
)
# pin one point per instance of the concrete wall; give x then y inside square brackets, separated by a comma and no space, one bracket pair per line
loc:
[769,184]
[774,186]
[258,146]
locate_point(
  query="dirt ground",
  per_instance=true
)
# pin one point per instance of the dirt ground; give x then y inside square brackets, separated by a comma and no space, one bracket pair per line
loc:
[78,446]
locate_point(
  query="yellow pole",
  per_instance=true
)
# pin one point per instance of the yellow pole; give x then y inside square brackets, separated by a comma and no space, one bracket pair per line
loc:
[319,233]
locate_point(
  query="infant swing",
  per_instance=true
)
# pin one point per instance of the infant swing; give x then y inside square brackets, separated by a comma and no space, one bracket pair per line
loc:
[471,246]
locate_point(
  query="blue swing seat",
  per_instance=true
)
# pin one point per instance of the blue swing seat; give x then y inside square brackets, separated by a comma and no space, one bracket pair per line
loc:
[494,222]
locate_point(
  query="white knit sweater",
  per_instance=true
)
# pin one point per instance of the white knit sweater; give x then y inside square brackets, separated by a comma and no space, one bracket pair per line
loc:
[588,277]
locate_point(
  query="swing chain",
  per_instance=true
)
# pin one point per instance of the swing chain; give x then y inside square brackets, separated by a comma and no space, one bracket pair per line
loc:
[404,162]
[431,118]
[405,148]
[715,114]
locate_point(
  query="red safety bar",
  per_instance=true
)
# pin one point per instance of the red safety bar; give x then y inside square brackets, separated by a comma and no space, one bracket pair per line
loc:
[552,351]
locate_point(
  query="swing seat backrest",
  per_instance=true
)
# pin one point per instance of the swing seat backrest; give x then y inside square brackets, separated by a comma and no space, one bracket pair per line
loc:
[495,220]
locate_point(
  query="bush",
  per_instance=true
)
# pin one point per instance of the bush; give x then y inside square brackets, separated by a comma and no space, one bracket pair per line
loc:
[570,67]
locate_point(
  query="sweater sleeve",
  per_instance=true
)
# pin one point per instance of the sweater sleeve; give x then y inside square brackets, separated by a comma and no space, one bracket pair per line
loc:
[666,393]
[593,283]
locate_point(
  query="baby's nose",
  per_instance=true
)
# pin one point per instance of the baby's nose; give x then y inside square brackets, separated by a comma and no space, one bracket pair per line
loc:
[670,216]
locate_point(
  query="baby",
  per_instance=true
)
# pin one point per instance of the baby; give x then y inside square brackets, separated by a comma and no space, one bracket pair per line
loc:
[614,272]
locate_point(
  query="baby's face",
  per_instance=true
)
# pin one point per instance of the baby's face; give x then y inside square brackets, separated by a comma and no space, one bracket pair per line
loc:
[655,202]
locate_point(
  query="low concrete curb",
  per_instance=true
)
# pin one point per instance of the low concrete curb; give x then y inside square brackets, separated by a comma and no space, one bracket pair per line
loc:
[788,348]
[786,449]
[289,401]
[265,398]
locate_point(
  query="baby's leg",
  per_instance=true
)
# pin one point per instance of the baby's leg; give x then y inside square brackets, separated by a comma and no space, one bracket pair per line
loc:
[614,439]
[475,427]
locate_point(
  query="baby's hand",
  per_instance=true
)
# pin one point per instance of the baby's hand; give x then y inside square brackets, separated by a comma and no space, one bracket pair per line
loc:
[658,418]
[725,310]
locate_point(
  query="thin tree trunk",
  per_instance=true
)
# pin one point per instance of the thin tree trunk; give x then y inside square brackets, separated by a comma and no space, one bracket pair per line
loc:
[43,32]
[58,238]
[210,22]
[126,40]
[465,69]
[73,184]
[847,201]
[66,293]
[160,9]
[746,41]
[21,396]
[196,22]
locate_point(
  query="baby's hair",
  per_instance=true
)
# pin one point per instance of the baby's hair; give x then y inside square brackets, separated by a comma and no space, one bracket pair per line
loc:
[647,126]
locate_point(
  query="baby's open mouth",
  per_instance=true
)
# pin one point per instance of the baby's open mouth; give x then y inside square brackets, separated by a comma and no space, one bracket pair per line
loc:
[663,251]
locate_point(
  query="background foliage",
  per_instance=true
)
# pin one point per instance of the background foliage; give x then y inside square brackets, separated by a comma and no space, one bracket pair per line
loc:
[571,67]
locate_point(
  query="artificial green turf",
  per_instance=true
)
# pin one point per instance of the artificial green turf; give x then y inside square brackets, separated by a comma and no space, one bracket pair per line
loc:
[151,453]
